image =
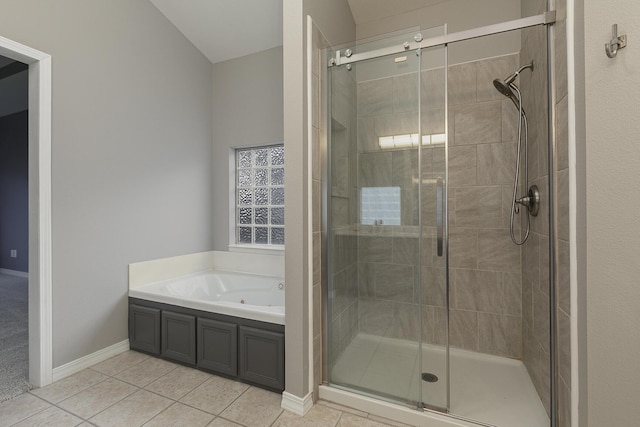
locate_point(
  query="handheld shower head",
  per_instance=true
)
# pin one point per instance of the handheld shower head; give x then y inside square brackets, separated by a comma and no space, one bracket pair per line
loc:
[505,86]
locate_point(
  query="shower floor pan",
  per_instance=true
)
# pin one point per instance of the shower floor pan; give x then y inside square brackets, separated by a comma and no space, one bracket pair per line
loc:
[490,389]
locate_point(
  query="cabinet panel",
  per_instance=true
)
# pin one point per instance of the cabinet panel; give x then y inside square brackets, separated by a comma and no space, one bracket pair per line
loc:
[262,357]
[179,337]
[144,329]
[217,346]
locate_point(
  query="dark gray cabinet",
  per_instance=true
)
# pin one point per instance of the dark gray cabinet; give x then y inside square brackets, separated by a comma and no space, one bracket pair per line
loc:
[262,357]
[144,329]
[218,346]
[178,337]
[245,349]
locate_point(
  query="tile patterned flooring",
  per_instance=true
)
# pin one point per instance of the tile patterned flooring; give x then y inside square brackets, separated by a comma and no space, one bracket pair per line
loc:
[133,389]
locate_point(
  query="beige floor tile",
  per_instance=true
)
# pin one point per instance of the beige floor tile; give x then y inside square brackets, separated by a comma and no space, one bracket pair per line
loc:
[387,421]
[178,415]
[69,386]
[120,362]
[221,422]
[146,371]
[53,417]
[214,395]
[132,411]
[19,408]
[349,420]
[342,408]
[178,382]
[318,416]
[97,398]
[255,408]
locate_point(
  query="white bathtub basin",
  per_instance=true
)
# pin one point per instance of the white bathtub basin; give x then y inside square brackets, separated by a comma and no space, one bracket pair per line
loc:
[250,296]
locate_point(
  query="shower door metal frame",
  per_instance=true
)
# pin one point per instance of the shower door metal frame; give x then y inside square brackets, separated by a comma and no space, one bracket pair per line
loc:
[547,19]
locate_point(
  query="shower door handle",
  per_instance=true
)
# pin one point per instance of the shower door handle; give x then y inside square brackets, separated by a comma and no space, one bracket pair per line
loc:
[439,217]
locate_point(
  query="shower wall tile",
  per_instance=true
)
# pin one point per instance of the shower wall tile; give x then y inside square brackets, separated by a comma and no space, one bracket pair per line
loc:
[340,211]
[374,249]
[464,329]
[406,322]
[478,123]
[375,170]
[534,157]
[500,334]
[433,85]
[531,266]
[405,250]
[541,319]
[396,124]
[509,121]
[560,56]
[316,188]
[495,251]
[563,204]
[512,294]
[564,291]
[527,303]
[564,346]
[434,286]
[405,93]
[462,165]
[432,120]
[478,207]
[463,248]
[394,282]
[496,163]
[562,133]
[491,69]
[543,284]
[405,168]
[477,290]
[462,84]
[564,406]
[367,138]
[375,316]
[543,145]
[374,97]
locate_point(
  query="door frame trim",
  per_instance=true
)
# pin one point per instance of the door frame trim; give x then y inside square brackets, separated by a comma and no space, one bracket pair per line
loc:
[40,265]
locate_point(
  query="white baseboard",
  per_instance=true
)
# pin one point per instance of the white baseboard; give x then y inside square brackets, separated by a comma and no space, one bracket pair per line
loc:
[14,273]
[89,360]
[297,405]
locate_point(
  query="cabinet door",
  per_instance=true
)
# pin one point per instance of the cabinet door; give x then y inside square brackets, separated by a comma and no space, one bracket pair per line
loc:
[262,357]
[144,329]
[179,337]
[218,346]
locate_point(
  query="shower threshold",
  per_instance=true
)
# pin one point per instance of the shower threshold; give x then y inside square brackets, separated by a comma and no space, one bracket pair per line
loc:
[490,389]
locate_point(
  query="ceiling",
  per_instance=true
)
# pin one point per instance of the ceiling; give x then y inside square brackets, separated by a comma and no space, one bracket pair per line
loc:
[372,10]
[226,29]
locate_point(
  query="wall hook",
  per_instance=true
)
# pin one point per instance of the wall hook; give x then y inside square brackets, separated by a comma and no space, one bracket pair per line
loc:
[616,43]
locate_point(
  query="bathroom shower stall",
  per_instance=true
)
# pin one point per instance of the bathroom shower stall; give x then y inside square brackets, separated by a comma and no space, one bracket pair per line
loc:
[437,217]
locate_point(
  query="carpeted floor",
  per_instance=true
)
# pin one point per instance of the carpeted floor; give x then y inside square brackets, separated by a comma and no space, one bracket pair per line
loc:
[14,336]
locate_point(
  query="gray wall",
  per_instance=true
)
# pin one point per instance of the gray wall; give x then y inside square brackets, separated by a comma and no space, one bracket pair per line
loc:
[14,190]
[131,156]
[247,111]
[611,207]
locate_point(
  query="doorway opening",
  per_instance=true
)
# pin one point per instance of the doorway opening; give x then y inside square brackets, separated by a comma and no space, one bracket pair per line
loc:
[39,208]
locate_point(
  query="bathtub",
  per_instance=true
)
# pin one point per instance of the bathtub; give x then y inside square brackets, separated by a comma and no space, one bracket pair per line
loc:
[250,296]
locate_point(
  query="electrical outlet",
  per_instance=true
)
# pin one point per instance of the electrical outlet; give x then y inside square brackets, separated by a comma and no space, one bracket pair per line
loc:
[14,253]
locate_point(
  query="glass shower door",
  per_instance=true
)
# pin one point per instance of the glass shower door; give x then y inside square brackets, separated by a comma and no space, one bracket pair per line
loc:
[381,231]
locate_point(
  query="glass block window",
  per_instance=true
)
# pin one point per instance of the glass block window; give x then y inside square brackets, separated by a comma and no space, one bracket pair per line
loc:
[260,195]
[380,205]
